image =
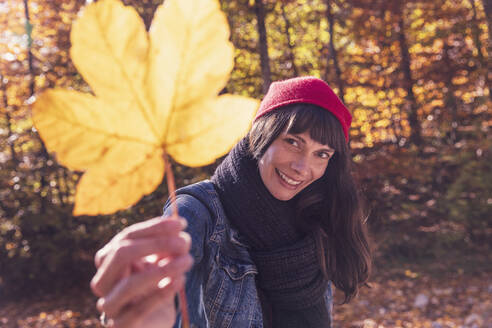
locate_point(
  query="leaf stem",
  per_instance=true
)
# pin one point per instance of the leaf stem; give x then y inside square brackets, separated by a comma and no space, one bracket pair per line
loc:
[171,187]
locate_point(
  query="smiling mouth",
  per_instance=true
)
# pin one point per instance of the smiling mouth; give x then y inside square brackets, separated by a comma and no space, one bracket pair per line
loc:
[287,180]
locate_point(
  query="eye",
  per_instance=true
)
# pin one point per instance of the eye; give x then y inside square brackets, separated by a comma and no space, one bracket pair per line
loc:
[292,141]
[325,155]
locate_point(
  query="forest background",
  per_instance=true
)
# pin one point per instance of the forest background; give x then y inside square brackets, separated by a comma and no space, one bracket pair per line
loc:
[414,73]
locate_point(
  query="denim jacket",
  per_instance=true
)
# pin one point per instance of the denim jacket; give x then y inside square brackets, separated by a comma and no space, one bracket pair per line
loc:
[220,287]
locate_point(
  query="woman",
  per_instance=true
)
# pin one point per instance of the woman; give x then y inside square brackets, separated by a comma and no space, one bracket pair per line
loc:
[279,221]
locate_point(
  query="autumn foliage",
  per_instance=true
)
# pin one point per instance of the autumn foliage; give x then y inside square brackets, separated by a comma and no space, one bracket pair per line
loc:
[415,75]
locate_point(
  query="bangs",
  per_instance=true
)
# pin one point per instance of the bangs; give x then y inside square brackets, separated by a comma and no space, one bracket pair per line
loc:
[323,126]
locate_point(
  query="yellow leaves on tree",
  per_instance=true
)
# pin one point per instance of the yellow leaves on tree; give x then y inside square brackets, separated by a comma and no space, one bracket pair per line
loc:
[154,93]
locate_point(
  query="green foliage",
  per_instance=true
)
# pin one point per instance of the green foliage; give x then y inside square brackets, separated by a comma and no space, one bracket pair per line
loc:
[44,248]
[50,250]
[468,200]
[430,203]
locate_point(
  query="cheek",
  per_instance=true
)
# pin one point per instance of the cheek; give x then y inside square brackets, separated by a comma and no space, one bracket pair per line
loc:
[319,170]
[269,158]
[264,164]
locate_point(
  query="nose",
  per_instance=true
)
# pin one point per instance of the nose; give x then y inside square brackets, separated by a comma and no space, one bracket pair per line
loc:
[300,166]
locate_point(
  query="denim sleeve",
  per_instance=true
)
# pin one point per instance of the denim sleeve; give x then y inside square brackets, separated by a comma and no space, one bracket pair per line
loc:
[329,302]
[198,218]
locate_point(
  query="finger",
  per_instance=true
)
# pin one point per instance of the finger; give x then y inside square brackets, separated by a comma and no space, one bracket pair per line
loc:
[156,227]
[132,250]
[137,285]
[133,315]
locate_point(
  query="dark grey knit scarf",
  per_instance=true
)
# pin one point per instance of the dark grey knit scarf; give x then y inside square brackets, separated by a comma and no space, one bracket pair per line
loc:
[288,269]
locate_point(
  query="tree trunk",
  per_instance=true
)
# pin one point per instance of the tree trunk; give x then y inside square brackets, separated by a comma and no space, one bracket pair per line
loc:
[289,42]
[476,32]
[487,5]
[10,134]
[478,44]
[450,100]
[384,42]
[333,52]
[263,45]
[44,184]
[29,43]
[410,102]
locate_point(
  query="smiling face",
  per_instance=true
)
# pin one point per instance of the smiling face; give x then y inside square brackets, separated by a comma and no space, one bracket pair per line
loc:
[291,163]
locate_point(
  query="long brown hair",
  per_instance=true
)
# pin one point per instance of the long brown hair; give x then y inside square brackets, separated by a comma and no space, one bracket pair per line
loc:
[331,206]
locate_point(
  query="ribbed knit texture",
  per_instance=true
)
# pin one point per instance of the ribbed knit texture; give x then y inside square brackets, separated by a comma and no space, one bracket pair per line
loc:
[288,270]
[307,90]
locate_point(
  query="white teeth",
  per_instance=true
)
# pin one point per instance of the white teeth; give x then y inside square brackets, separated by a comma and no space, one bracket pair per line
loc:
[289,181]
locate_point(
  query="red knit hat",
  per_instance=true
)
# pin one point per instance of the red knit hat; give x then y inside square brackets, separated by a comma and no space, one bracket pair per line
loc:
[309,90]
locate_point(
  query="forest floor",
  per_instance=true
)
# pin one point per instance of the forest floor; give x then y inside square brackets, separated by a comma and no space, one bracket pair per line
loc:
[404,296]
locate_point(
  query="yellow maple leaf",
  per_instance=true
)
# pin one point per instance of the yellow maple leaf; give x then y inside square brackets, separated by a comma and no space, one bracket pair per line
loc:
[153,93]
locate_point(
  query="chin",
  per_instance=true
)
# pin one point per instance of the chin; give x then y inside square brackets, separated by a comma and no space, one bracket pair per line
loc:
[284,198]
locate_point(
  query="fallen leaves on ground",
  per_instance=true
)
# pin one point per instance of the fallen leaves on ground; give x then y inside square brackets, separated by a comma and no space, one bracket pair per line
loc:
[73,308]
[398,301]
[416,301]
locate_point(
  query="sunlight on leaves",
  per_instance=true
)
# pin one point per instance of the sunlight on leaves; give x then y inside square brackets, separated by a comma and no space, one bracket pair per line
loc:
[154,93]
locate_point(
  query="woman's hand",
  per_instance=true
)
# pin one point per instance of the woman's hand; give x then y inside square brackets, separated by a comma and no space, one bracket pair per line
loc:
[136,289]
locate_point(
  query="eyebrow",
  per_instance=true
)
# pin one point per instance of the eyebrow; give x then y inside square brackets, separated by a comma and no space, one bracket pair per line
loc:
[301,139]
